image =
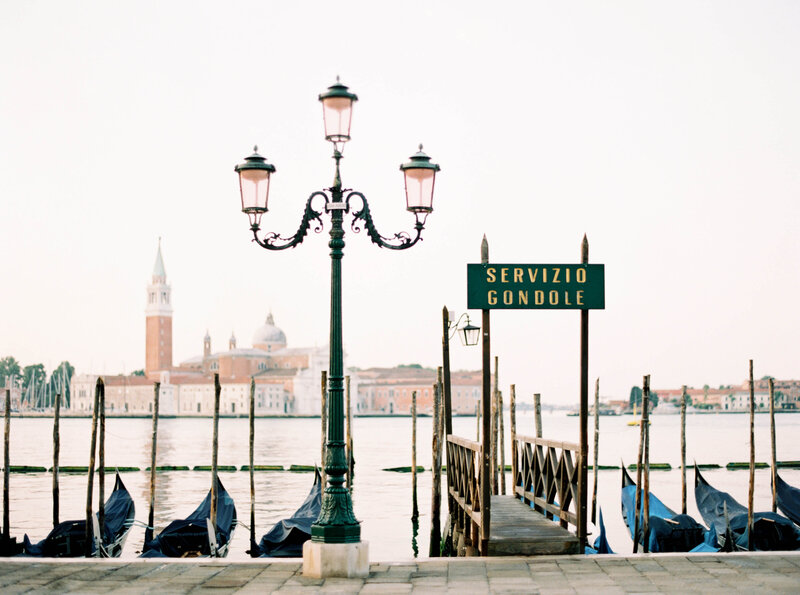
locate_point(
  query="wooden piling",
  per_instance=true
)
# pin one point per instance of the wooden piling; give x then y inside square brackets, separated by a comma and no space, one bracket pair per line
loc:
[447,400]
[646,426]
[56,455]
[638,501]
[683,449]
[478,408]
[99,386]
[537,413]
[349,435]
[324,421]
[214,452]
[482,543]
[414,505]
[436,497]
[751,491]
[495,392]
[6,464]
[148,532]
[501,443]
[772,441]
[252,463]
[583,413]
[596,444]
[512,415]
[101,471]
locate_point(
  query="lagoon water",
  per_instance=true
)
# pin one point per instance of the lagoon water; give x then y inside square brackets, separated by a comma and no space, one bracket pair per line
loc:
[381,499]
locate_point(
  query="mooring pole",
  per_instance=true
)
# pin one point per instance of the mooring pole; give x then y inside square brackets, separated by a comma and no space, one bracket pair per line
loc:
[324,421]
[596,444]
[486,410]
[414,506]
[101,470]
[99,386]
[495,393]
[348,434]
[436,472]
[772,440]
[252,476]
[214,451]
[638,502]
[683,449]
[6,458]
[751,491]
[646,426]
[537,413]
[501,443]
[56,453]
[584,413]
[148,532]
[512,414]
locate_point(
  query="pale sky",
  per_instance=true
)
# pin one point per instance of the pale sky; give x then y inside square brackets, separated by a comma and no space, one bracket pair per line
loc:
[668,132]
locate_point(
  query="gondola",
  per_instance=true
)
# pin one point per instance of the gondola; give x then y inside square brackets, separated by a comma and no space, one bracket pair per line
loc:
[771,531]
[669,531]
[788,499]
[68,539]
[600,545]
[286,538]
[193,536]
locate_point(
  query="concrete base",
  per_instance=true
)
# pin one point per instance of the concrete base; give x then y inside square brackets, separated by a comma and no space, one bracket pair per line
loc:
[343,560]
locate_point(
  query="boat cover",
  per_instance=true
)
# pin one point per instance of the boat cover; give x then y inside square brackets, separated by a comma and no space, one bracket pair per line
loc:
[68,539]
[187,538]
[788,499]
[286,538]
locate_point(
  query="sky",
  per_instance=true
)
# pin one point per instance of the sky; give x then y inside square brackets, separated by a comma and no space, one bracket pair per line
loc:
[668,133]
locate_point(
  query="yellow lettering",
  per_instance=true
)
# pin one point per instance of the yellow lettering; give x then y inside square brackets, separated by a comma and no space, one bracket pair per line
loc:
[555,275]
[492,297]
[579,295]
[490,278]
[508,297]
[553,298]
[566,271]
[581,275]
[517,275]
[566,299]
[523,297]
[538,297]
[544,275]
[504,275]
[532,274]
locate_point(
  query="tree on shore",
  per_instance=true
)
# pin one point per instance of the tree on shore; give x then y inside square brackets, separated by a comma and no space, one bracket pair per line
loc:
[9,366]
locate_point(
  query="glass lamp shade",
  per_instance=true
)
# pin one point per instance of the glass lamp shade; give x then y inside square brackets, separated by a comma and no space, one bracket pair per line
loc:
[254,176]
[469,334]
[420,175]
[337,111]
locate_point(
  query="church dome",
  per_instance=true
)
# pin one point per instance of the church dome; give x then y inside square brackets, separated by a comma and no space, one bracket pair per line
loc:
[269,336]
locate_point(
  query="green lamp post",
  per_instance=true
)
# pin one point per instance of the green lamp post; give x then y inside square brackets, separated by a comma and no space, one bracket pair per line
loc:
[336,523]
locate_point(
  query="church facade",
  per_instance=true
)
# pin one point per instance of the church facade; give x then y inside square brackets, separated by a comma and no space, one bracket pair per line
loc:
[287,379]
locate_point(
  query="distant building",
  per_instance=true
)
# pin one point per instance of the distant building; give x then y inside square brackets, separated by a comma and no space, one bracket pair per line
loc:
[287,380]
[388,391]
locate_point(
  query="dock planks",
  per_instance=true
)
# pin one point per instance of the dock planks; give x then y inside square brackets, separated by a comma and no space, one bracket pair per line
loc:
[518,530]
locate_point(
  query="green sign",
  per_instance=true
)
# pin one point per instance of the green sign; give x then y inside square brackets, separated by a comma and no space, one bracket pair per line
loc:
[536,286]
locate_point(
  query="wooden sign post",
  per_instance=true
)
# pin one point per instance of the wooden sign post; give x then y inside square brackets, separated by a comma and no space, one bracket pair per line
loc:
[538,287]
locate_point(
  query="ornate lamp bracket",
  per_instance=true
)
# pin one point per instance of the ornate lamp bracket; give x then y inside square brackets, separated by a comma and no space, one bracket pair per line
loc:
[274,241]
[362,219]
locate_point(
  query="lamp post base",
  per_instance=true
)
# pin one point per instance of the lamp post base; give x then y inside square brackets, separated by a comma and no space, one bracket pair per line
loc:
[342,560]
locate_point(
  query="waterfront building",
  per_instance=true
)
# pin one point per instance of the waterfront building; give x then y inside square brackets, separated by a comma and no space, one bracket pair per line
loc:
[388,391]
[287,379]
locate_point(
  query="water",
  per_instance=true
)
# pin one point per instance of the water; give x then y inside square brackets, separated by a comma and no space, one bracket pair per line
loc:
[381,499]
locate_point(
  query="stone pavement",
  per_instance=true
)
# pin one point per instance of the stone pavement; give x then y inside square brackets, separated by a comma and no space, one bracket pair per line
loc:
[653,573]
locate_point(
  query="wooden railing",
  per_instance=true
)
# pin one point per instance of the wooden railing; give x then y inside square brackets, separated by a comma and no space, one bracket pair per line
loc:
[547,477]
[471,516]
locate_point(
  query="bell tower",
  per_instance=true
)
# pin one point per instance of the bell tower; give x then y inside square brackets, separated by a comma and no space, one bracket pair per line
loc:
[158,314]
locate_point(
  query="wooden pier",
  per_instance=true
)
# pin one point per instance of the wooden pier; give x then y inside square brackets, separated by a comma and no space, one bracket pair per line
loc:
[535,520]
[517,530]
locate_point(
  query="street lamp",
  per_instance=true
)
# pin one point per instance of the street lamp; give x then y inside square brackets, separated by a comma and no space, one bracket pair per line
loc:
[336,523]
[468,333]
